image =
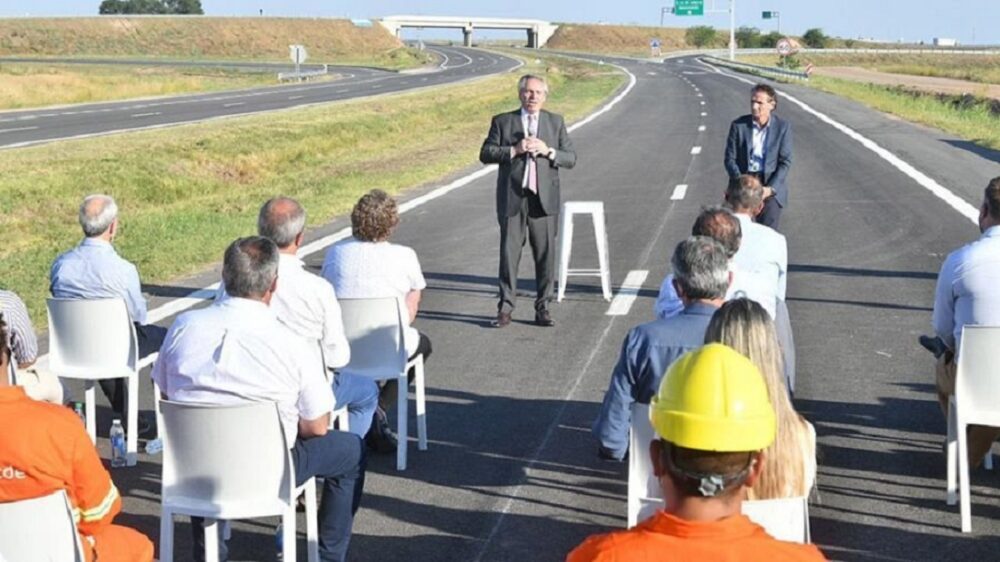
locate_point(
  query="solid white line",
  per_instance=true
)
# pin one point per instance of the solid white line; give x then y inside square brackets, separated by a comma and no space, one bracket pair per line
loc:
[146,114]
[695,150]
[17,129]
[679,192]
[963,207]
[234,104]
[701,128]
[628,292]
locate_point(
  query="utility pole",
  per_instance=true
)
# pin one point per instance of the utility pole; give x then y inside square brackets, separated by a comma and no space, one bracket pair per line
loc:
[732,30]
[665,10]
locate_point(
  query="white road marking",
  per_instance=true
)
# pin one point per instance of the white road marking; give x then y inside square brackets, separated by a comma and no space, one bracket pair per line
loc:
[627,293]
[963,207]
[695,150]
[699,95]
[295,97]
[679,192]
[703,114]
[702,102]
[701,128]
[651,73]
[17,129]
[151,113]
[234,104]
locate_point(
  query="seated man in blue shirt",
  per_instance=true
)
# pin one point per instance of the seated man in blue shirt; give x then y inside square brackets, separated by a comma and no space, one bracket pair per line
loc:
[93,270]
[701,278]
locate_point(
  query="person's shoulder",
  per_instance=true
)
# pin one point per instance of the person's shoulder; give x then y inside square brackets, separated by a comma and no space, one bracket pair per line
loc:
[604,547]
[790,551]
[507,115]
[552,115]
[743,120]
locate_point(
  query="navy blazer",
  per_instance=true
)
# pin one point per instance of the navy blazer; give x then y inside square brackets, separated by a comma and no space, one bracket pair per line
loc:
[777,152]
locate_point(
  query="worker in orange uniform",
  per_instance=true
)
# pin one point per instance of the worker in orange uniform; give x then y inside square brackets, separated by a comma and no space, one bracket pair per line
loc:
[44,447]
[713,419]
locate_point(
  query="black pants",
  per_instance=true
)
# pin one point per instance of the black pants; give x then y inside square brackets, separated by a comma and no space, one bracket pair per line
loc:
[771,215]
[150,338]
[387,397]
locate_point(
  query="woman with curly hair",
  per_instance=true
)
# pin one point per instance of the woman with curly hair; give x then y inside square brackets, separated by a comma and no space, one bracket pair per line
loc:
[790,470]
[367,265]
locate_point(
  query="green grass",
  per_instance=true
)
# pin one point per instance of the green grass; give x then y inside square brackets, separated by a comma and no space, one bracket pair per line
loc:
[974,68]
[186,192]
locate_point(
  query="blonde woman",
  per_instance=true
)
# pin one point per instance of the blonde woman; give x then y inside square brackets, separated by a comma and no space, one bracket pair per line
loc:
[790,470]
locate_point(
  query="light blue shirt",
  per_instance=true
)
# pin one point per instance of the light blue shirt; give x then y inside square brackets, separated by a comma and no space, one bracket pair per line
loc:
[762,261]
[968,288]
[758,142]
[93,270]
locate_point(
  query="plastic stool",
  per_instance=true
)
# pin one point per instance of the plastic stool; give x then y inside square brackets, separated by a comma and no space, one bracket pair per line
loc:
[596,210]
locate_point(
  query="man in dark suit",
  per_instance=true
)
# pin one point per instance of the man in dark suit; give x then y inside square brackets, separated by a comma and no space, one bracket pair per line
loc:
[530,145]
[761,144]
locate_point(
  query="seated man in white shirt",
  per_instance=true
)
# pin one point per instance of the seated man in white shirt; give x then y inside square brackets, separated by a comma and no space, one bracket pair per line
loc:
[763,254]
[967,294]
[237,351]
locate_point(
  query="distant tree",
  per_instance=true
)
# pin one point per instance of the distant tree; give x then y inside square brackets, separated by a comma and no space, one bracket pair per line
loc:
[815,38]
[770,40]
[700,35]
[748,37]
[849,43]
[184,7]
[150,7]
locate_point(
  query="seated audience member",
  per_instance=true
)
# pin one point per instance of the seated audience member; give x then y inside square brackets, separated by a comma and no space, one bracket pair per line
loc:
[93,270]
[236,351]
[967,294]
[706,455]
[45,448]
[367,265]
[701,277]
[763,255]
[744,325]
[21,340]
[307,305]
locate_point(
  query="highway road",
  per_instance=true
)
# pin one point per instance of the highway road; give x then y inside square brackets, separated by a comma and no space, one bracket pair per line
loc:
[28,127]
[511,472]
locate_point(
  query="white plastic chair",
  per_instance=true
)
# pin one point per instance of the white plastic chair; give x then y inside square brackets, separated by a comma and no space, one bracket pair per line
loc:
[374,328]
[596,210]
[644,494]
[39,529]
[338,418]
[94,339]
[786,519]
[976,401]
[230,462]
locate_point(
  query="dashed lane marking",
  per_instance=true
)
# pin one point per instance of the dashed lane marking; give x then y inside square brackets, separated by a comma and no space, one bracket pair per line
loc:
[627,293]
[695,150]
[679,192]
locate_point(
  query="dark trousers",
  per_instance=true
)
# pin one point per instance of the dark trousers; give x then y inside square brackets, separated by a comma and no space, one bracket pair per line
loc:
[387,397]
[533,225]
[150,338]
[771,215]
[339,458]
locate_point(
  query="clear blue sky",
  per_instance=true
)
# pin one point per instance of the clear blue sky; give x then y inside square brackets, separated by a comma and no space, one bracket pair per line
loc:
[911,20]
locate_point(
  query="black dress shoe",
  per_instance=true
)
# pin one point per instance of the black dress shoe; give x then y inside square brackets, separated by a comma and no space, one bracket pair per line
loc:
[934,344]
[543,318]
[502,320]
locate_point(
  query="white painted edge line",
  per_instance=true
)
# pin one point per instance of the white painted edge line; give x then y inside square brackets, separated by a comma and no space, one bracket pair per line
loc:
[15,129]
[679,192]
[628,292]
[963,207]
[695,150]
[701,128]
[183,303]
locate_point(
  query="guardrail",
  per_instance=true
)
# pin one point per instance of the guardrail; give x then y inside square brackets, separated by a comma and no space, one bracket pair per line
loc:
[302,74]
[759,69]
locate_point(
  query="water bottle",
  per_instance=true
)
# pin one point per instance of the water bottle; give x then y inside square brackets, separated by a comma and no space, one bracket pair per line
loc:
[117,444]
[78,408]
[154,446]
[279,542]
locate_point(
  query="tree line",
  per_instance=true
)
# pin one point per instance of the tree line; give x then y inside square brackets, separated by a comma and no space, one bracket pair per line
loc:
[151,7]
[751,37]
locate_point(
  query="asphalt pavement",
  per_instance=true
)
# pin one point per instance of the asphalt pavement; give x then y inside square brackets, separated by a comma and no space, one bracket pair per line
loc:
[511,472]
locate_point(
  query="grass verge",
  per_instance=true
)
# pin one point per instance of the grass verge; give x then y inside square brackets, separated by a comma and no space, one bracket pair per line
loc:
[974,68]
[185,192]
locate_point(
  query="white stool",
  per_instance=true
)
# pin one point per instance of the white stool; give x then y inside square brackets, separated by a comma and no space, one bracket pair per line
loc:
[596,210]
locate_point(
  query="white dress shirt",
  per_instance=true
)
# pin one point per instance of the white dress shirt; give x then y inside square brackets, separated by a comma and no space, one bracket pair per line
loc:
[758,143]
[967,288]
[94,270]
[669,303]
[367,270]
[763,263]
[236,351]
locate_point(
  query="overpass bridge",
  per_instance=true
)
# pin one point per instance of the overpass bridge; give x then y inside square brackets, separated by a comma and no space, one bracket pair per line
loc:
[538,31]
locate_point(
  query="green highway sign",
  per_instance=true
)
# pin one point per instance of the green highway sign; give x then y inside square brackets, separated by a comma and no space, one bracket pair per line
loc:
[689,7]
[766,15]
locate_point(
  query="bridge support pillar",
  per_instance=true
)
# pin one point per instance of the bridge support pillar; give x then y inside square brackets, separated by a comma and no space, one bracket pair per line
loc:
[533,39]
[467,32]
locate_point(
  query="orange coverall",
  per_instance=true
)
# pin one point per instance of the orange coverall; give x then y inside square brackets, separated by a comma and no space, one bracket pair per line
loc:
[44,447]
[665,537]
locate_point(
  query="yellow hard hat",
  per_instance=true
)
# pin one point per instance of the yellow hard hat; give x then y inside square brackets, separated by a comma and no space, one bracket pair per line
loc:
[714,399]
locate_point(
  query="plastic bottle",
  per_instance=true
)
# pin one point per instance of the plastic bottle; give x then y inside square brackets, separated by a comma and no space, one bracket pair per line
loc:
[117,436]
[154,446]
[279,542]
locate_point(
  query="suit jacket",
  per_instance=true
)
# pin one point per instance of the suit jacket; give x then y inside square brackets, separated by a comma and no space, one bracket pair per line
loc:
[777,152]
[507,130]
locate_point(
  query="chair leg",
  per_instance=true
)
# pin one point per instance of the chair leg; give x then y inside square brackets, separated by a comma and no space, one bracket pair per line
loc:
[418,381]
[288,528]
[312,521]
[211,527]
[401,421]
[601,236]
[565,248]
[91,409]
[964,492]
[951,456]
[166,536]
[132,438]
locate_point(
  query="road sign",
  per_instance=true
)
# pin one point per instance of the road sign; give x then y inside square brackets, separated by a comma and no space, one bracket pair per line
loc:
[766,15]
[689,7]
[297,53]
[785,46]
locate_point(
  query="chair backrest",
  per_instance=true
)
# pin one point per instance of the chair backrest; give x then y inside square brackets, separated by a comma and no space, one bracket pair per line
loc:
[90,334]
[644,494]
[977,386]
[224,454]
[786,519]
[374,328]
[39,529]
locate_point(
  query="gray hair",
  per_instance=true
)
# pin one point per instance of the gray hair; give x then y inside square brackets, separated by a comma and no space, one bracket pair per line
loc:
[522,83]
[97,212]
[745,193]
[281,219]
[719,223]
[250,267]
[701,267]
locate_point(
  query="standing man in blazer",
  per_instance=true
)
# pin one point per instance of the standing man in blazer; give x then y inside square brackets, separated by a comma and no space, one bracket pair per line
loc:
[530,145]
[761,144]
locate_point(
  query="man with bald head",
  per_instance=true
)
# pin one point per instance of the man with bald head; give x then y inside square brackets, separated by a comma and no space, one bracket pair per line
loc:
[94,270]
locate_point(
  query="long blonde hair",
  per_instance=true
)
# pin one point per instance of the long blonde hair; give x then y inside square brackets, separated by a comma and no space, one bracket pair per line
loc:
[745,326]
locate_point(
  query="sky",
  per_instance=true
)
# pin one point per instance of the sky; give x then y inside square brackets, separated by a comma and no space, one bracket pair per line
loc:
[969,21]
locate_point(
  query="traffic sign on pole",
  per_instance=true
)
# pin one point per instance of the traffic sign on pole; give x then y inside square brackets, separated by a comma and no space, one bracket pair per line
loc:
[689,7]
[765,15]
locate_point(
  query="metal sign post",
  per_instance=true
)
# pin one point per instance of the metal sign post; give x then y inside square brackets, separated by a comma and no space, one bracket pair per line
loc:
[298,55]
[771,14]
